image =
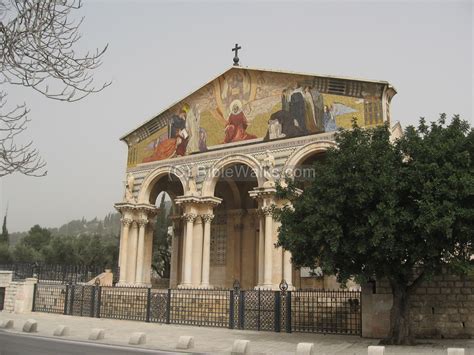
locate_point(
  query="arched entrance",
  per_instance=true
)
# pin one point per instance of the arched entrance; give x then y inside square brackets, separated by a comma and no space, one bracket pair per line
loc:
[138,223]
[234,232]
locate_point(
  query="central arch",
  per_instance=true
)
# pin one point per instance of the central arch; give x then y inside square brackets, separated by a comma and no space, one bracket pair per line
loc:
[213,174]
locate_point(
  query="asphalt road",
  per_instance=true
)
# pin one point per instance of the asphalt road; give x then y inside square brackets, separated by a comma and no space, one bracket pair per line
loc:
[19,344]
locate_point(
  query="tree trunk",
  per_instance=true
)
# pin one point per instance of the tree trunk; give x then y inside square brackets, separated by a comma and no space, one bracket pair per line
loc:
[400,327]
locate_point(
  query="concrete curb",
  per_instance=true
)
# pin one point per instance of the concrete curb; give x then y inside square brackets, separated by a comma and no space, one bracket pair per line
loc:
[97,334]
[30,326]
[137,338]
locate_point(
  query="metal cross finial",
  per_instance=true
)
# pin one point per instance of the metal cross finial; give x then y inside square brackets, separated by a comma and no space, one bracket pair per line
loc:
[236,56]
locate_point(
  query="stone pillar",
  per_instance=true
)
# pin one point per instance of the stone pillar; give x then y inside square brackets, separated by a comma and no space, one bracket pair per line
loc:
[277,260]
[206,251]
[123,249]
[197,252]
[261,248]
[132,253]
[148,252]
[141,251]
[267,275]
[174,253]
[188,253]
[287,269]
[183,250]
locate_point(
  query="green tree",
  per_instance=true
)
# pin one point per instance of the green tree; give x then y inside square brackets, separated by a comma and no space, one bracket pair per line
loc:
[4,236]
[401,211]
[23,253]
[161,263]
[60,250]
[5,254]
[37,238]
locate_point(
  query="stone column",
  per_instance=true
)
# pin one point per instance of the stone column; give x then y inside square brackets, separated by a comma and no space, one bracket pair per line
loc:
[197,251]
[188,253]
[174,253]
[261,247]
[287,269]
[123,249]
[183,251]
[267,275]
[148,252]
[206,251]
[132,253]
[141,251]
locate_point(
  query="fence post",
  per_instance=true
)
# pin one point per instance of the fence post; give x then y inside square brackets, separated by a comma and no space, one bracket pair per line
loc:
[168,307]
[71,299]
[241,309]
[92,301]
[99,298]
[34,297]
[288,312]
[148,304]
[66,299]
[277,311]
[231,309]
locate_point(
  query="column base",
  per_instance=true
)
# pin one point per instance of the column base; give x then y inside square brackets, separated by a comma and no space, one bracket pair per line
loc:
[266,287]
[184,286]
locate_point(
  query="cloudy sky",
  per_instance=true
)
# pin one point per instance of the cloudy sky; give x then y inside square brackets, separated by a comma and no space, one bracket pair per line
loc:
[161,50]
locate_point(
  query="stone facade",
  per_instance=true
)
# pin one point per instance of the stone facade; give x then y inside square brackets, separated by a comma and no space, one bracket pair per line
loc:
[442,307]
[223,227]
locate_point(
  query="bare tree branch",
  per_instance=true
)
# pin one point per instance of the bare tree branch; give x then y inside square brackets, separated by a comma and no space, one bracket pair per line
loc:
[17,158]
[38,40]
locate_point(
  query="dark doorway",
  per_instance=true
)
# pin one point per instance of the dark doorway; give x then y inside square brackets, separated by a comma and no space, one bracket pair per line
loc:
[2,297]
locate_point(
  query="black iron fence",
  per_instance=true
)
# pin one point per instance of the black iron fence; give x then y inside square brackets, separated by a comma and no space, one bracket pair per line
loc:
[56,273]
[314,311]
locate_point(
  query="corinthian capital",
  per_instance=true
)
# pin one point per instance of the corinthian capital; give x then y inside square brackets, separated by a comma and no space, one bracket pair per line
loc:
[267,211]
[126,222]
[142,222]
[207,218]
[189,217]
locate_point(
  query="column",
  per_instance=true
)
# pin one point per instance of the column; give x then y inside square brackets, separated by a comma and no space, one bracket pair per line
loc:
[261,247]
[183,251]
[123,249]
[267,275]
[206,250]
[132,254]
[148,252]
[197,252]
[174,253]
[188,253]
[141,251]
[287,269]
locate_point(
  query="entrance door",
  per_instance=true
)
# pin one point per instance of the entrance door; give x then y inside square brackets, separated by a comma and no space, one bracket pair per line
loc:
[2,297]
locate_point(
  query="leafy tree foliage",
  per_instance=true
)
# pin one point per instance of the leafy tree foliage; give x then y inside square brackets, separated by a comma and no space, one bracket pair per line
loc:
[400,211]
[4,236]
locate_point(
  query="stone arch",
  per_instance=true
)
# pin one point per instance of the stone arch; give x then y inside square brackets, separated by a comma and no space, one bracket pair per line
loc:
[150,180]
[212,175]
[299,155]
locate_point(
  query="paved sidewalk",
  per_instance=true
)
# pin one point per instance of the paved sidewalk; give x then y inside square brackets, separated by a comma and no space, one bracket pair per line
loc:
[219,340]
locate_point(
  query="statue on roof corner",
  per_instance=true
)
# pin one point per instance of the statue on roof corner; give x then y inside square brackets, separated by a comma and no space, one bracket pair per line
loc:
[129,198]
[268,165]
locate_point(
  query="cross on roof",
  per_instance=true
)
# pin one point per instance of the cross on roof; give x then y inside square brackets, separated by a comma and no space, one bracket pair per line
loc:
[236,56]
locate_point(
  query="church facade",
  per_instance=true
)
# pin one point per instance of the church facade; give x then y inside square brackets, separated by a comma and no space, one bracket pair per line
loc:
[219,153]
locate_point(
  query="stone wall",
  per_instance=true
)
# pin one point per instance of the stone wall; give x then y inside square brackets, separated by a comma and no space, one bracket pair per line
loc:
[18,294]
[442,307]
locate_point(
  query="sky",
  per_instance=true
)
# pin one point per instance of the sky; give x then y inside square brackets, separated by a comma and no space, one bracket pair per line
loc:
[160,51]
